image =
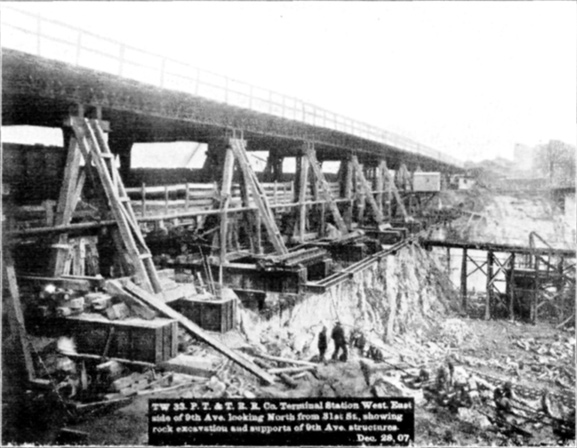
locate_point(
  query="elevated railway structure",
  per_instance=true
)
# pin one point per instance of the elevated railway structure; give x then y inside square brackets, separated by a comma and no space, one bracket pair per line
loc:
[55,75]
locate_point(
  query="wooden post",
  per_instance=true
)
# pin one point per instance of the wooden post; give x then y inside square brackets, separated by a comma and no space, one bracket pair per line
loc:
[238,147]
[302,169]
[66,205]
[274,192]
[166,199]
[388,183]
[348,215]
[464,280]
[186,196]
[380,186]
[560,286]
[143,198]
[361,194]
[395,192]
[367,195]
[511,284]
[225,193]
[535,297]
[489,285]
[14,311]
[318,174]
[258,232]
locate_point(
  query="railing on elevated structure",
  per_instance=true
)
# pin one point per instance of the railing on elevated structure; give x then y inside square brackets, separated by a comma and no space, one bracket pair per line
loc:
[190,197]
[51,39]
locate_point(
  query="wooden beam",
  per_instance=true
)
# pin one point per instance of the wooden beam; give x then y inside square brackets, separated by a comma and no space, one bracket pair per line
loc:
[536,291]
[464,280]
[393,189]
[348,214]
[368,192]
[302,186]
[196,331]
[489,288]
[259,196]
[225,193]
[511,286]
[14,311]
[310,153]
[65,207]
[380,185]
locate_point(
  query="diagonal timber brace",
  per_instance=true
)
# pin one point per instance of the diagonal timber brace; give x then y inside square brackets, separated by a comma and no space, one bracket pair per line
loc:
[309,152]
[94,148]
[238,148]
[364,184]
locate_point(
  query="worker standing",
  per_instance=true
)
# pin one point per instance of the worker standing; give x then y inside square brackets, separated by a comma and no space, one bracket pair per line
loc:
[322,344]
[340,341]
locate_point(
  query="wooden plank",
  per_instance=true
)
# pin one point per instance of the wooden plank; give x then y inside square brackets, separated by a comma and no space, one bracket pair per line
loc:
[196,331]
[303,168]
[228,169]
[66,205]
[464,280]
[511,286]
[489,289]
[348,215]
[380,185]
[14,310]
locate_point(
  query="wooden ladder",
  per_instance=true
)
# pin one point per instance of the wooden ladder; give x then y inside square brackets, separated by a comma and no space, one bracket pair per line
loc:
[92,143]
[310,153]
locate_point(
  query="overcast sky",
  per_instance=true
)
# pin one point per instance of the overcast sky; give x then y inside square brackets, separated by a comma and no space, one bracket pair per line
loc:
[471,79]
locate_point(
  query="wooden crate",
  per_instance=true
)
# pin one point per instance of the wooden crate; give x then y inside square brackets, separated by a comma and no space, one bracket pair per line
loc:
[133,338]
[213,315]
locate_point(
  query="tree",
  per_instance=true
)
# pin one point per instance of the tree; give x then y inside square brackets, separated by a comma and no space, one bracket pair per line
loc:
[556,162]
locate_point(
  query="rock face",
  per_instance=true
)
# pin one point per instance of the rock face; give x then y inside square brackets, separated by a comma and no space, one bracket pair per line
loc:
[402,293]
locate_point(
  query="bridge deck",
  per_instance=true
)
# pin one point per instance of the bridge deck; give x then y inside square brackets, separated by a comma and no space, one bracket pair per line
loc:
[39,91]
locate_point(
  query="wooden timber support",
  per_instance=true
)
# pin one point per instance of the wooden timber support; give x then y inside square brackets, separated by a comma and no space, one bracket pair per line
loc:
[511,287]
[69,194]
[364,184]
[225,193]
[301,196]
[136,258]
[266,214]
[392,188]
[464,276]
[312,158]
[348,193]
[541,269]
[489,291]
[14,312]
[380,184]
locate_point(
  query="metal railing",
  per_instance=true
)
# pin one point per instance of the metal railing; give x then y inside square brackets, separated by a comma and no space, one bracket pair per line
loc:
[52,39]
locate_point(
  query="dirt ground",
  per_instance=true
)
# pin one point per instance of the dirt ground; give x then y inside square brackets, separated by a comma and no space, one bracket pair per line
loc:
[485,347]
